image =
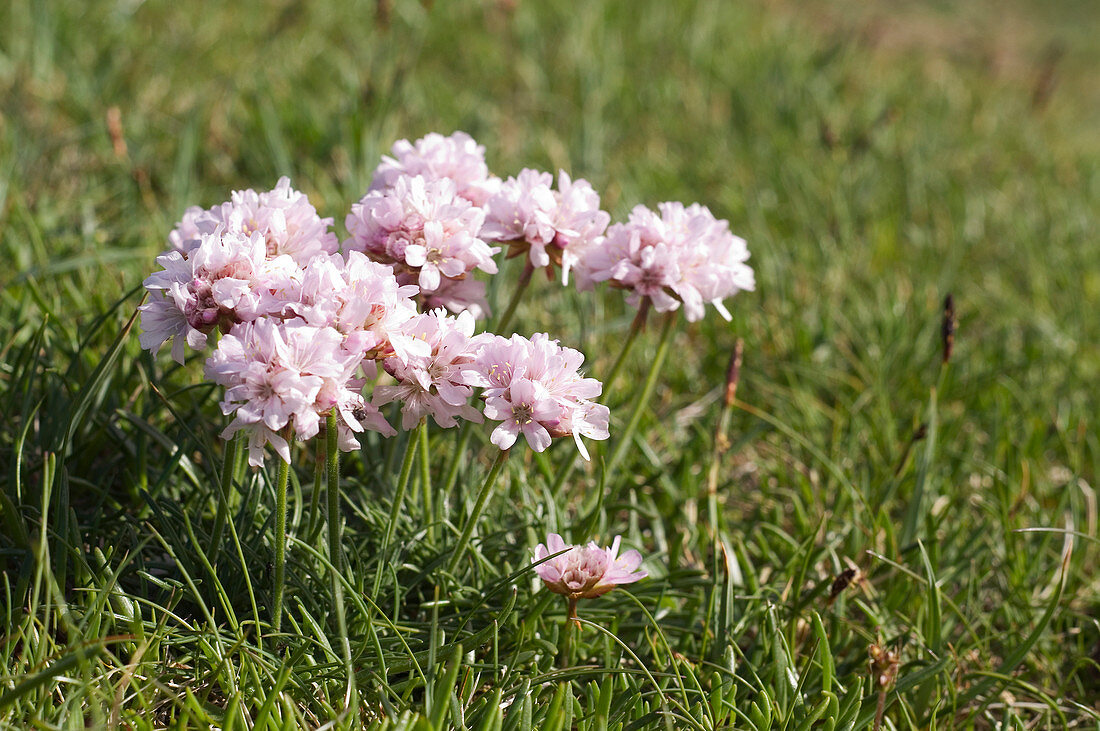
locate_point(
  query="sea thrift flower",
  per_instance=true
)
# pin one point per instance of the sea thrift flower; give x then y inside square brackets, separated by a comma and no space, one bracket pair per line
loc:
[421,227]
[284,217]
[437,384]
[363,301]
[226,278]
[455,295]
[550,226]
[534,388]
[585,572]
[281,376]
[677,256]
[458,158]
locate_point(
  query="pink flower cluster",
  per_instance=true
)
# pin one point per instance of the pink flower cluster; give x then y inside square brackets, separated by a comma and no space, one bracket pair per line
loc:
[548,225]
[281,376]
[428,233]
[585,572]
[534,388]
[300,327]
[284,217]
[681,255]
[438,382]
[457,158]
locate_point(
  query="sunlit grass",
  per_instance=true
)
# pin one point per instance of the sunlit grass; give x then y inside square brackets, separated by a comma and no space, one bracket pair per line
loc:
[868,185]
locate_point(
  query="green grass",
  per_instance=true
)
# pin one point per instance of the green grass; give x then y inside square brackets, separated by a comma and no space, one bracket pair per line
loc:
[869,181]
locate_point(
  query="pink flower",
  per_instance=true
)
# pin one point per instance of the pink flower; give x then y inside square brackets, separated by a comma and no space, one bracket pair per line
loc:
[455,295]
[226,278]
[281,377]
[436,384]
[535,389]
[679,256]
[458,158]
[284,217]
[363,300]
[421,227]
[586,572]
[550,226]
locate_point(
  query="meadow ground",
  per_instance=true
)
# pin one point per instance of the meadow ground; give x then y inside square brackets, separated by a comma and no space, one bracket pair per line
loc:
[875,163]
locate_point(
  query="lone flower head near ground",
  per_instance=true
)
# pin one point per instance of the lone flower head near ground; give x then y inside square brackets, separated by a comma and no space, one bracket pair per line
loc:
[585,572]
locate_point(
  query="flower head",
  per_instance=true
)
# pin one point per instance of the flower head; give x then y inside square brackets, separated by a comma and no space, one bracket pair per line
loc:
[283,216]
[423,228]
[585,572]
[437,383]
[458,158]
[547,225]
[225,278]
[364,301]
[681,255]
[534,387]
[281,376]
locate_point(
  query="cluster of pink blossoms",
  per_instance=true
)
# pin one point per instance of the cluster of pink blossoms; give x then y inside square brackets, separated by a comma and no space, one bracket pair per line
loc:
[427,232]
[304,323]
[534,388]
[300,327]
[680,255]
[550,226]
[585,572]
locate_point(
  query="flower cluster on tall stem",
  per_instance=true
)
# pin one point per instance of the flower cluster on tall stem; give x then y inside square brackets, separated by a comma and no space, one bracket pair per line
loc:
[549,226]
[425,230]
[677,256]
[534,388]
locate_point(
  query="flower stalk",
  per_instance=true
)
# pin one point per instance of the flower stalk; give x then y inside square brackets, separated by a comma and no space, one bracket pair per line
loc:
[517,295]
[636,328]
[647,391]
[479,508]
[336,557]
[398,499]
[229,469]
[280,543]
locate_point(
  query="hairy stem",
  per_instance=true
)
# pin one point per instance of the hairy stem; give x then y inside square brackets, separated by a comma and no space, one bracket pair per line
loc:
[229,468]
[280,543]
[479,507]
[636,328]
[647,391]
[517,295]
[336,557]
[398,501]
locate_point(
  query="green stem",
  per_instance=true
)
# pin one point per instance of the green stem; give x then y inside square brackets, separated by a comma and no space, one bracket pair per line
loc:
[565,651]
[315,498]
[463,441]
[336,557]
[395,508]
[280,542]
[479,507]
[229,467]
[636,328]
[565,470]
[426,480]
[517,295]
[647,391]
